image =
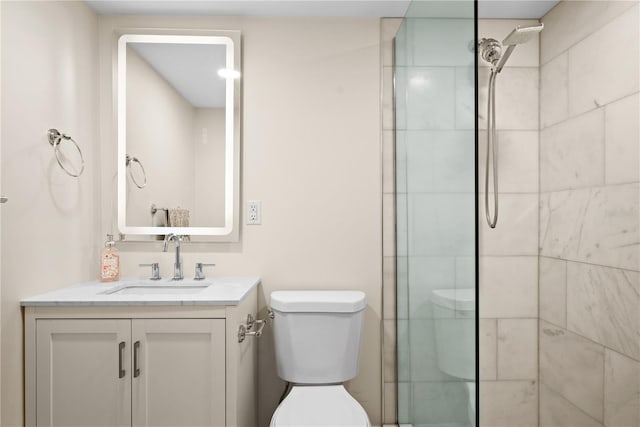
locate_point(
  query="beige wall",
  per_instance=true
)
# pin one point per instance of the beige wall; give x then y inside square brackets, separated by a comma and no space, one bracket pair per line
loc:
[311,154]
[160,132]
[208,167]
[590,214]
[49,227]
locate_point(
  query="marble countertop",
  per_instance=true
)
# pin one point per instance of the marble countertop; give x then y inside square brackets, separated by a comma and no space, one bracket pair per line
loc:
[218,291]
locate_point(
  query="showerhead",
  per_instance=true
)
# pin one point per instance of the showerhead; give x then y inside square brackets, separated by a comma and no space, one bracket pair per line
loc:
[522,34]
[518,36]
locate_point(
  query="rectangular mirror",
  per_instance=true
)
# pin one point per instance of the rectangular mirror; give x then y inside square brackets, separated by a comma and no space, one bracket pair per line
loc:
[178,134]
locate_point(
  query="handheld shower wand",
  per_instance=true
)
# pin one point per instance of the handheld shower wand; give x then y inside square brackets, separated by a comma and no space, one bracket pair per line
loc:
[491,51]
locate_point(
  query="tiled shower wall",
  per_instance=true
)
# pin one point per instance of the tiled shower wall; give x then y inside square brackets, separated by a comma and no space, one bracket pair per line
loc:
[589,215]
[508,254]
[508,262]
[584,176]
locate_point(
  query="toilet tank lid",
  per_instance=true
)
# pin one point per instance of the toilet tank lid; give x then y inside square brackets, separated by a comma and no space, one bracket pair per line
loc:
[318,301]
[455,299]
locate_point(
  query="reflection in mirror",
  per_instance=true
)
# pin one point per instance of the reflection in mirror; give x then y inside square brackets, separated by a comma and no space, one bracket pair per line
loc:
[176,135]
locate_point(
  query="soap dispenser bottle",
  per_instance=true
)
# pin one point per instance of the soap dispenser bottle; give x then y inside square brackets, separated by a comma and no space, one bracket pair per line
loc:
[109,261]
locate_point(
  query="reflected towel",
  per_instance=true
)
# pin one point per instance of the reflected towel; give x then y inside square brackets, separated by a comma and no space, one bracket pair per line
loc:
[178,217]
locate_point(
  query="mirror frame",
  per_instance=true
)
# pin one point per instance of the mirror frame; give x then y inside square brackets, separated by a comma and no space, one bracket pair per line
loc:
[231,39]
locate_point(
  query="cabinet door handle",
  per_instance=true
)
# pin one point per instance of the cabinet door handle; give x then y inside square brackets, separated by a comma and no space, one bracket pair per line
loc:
[136,352]
[121,370]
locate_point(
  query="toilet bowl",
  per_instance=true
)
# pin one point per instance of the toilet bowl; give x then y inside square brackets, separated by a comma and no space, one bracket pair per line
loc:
[317,346]
[454,316]
[319,406]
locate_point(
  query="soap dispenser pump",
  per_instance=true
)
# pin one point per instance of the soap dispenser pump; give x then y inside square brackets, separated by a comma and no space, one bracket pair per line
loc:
[109,261]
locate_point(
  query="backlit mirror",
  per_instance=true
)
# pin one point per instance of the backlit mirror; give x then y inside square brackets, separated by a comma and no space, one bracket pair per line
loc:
[178,134]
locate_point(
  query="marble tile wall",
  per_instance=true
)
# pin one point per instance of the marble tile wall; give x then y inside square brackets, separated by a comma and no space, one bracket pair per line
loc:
[589,269]
[509,253]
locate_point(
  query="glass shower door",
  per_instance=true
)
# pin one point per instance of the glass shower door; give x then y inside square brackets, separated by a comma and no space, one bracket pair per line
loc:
[435,136]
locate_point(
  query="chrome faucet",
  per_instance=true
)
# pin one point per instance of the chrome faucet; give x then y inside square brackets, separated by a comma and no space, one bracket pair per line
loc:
[177,267]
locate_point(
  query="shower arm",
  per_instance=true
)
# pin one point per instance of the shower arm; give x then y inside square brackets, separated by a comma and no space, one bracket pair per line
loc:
[504,58]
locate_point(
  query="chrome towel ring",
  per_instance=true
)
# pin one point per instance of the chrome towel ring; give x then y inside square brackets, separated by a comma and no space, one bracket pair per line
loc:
[128,161]
[55,138]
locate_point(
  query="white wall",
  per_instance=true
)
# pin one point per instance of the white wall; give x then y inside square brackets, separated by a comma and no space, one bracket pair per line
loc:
[50,225]
[310,153]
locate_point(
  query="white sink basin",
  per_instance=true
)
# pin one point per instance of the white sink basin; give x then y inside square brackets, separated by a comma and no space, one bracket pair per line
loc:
[162,288]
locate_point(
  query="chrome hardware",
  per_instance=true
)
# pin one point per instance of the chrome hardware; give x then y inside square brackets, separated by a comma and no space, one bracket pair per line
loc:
[199,272]
[247,330]
[270,314]
[250,322]
[258,332]
[130,159]
[155,270]
[490,50]
[55,138]
[155,209]
[242,333]
[177,266]
[136,352]
[121,371]
[4,199]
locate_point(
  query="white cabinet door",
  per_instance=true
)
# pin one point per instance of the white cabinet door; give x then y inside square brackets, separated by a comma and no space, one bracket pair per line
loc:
[180,379]
[83,373]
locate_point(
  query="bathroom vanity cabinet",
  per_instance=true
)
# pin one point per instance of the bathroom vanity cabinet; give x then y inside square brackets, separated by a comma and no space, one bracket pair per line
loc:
[140,364]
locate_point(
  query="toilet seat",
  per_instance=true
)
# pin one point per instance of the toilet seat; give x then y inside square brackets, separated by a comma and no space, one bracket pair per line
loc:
[326,406]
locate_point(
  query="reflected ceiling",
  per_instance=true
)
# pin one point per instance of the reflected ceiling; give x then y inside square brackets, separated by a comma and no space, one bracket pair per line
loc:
[314,8]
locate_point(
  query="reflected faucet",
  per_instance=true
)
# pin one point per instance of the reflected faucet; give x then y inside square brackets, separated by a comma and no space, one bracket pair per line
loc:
[177,267]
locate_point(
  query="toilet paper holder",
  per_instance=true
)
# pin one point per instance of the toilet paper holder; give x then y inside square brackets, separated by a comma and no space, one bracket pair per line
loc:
[252,327]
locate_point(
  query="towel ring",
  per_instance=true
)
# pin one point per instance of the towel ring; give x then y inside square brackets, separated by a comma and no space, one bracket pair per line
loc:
[55,138]
[128,162]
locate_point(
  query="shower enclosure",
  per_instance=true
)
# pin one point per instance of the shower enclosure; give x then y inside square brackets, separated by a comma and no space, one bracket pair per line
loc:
[436,217]
[558,321]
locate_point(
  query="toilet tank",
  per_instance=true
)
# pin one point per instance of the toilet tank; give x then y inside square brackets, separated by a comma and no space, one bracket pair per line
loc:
[317,335]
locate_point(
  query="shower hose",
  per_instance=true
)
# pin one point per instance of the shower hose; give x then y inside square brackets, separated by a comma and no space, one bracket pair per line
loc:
[492,153]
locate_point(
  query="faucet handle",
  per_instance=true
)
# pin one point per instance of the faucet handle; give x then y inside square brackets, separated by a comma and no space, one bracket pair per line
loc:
[199,268]
[155,270]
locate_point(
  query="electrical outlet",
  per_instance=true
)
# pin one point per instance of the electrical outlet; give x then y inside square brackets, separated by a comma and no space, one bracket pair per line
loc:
[254,212]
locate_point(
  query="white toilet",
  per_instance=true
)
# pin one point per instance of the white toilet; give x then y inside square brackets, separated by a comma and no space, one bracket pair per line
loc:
[454,316]
[317,344]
